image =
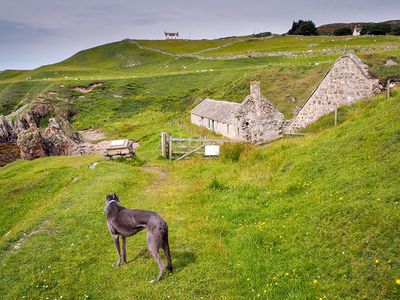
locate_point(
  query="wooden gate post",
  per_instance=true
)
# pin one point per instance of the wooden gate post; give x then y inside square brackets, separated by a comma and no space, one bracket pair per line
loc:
[163,144]
[170,152]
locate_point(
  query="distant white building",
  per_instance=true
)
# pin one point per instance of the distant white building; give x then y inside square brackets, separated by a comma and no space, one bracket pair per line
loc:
[357,30]
[171,35]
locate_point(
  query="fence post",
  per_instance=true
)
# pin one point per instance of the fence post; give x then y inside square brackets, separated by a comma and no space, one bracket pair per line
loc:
[170,152]
[388,89]
[163,146]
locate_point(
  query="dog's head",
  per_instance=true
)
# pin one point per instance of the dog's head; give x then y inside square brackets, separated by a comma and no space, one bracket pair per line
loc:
[110,198]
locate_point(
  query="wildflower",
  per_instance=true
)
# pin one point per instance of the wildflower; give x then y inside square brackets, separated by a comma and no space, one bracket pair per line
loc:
[286,274]
[377,261]
[398,281]
[315,281]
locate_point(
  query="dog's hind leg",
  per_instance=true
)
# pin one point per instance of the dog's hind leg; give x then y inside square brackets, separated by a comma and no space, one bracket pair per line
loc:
[165,246]
[124,249]
[117,246]
[153,245]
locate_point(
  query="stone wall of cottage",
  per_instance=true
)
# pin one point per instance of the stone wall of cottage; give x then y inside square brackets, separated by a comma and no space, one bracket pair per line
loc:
[224,129]
[257,120]
[343,85]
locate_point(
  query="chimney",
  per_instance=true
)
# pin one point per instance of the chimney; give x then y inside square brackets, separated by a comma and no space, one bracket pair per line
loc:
[255,92]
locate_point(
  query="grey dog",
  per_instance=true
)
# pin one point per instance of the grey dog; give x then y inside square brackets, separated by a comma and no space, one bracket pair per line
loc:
[123,222]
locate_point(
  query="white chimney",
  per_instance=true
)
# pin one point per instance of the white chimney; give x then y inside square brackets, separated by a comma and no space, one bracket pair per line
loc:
[255,89]
[255,92]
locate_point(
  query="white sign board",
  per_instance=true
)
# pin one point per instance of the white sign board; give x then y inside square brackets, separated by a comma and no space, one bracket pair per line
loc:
[117,143]
[212,150]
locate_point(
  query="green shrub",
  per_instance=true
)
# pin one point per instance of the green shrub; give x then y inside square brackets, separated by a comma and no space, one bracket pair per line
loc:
[343,31]
[303,28]
[395,29]
[262,34]
[376,29]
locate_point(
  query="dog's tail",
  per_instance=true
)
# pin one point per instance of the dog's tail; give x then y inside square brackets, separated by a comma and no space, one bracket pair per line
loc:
[165,246]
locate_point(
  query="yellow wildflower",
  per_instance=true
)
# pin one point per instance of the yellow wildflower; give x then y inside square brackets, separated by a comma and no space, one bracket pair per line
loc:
[398,281]
[377,261]
[315,281]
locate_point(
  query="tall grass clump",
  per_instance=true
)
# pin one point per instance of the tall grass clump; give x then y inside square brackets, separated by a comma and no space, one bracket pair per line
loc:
[217,185]
[235,151]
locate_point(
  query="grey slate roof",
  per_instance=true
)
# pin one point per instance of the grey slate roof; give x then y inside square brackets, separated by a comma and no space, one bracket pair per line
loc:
[221,111]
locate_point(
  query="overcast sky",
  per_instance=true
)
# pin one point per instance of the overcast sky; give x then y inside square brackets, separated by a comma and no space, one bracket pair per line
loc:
[38,32]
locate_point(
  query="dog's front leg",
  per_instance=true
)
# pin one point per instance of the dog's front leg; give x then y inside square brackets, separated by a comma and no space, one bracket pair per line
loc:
[124,249]
[116,241]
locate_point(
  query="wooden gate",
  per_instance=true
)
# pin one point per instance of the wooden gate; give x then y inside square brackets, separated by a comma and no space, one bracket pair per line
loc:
[179,148]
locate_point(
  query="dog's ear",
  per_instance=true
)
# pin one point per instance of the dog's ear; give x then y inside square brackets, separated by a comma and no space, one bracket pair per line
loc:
[116,198]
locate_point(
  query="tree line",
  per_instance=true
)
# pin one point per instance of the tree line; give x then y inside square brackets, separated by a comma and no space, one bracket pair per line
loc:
[307,27]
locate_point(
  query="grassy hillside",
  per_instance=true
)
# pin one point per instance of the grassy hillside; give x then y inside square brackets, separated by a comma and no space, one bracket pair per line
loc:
[288,44]
[283,79]
[189,46]
[309,217]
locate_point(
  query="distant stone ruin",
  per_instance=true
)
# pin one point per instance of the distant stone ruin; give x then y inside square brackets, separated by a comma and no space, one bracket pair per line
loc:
[256,120]
[390,63]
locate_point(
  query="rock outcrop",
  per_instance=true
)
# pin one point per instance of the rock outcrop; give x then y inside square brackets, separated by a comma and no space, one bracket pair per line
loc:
[8,153]
[31,144]
[60,139]
[35,138]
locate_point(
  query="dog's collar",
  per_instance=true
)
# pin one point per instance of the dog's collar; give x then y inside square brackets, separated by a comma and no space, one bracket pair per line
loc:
[108,203]
[105,209]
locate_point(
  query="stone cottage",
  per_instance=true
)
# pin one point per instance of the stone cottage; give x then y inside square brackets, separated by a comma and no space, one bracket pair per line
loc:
[347,81]
[254,120]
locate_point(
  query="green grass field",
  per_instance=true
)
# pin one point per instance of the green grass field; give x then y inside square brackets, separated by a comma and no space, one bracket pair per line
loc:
[310,217]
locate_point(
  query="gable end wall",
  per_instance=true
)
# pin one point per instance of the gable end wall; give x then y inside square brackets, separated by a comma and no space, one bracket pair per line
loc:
[344,84]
